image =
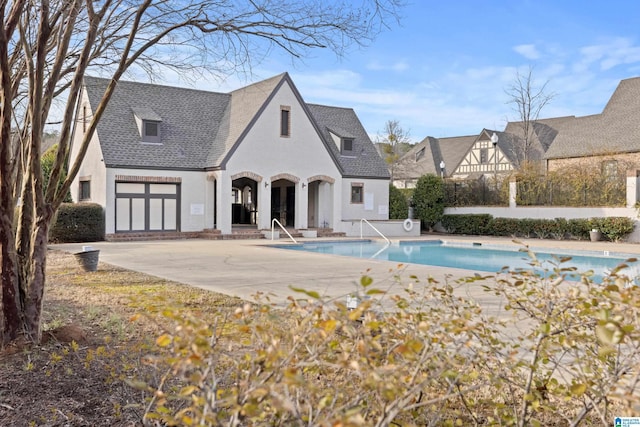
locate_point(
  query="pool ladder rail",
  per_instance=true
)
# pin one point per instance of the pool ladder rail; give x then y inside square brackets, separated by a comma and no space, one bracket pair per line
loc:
[374,229]
[273,225]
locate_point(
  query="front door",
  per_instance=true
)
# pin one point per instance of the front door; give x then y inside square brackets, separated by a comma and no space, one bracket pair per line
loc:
[291,206]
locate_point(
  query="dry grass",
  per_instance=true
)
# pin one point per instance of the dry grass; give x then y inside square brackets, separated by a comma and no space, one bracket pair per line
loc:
[90,345]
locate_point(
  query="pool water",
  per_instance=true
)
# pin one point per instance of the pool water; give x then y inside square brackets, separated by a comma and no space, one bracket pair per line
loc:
[470,256]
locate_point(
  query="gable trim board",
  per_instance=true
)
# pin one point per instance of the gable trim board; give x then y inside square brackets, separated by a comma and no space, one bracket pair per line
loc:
[234,170]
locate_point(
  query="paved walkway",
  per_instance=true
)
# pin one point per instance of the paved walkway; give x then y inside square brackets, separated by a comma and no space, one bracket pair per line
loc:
[244,267]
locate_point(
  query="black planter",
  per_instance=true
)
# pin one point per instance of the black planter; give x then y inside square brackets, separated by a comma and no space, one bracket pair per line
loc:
[88,260]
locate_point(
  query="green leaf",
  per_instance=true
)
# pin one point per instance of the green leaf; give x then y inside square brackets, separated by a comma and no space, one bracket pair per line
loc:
[312,294]
[578,389]
[366,281]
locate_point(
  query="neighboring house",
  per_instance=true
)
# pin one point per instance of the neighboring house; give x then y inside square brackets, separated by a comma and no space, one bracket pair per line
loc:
[609,141]
[602,140]
[175,159]
[463,157]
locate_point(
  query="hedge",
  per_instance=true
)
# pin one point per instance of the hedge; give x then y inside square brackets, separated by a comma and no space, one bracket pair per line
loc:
[612,228]
[78,222]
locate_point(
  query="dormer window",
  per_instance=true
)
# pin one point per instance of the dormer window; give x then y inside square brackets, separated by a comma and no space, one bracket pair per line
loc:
[151,131]
[347,146]
[420,154]
[149,125]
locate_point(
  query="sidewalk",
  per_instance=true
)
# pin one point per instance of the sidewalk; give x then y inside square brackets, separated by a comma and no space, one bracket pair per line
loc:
[244,267]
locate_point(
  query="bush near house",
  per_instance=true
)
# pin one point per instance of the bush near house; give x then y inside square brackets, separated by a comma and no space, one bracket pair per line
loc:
[612,228]
[428,200]
[398,204]
[46,162]
[78,222]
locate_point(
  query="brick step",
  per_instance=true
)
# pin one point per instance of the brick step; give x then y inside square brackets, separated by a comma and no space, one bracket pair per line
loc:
[152,235]
[212,234]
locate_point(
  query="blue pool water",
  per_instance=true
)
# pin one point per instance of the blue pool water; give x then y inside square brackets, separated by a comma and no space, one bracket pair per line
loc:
[474,257]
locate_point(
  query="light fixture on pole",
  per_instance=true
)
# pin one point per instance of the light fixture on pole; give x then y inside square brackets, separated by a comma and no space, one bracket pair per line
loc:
[442,168]
[494,140]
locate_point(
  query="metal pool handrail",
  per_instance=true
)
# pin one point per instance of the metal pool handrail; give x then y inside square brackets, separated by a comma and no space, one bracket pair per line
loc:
[375,229]
[273,223]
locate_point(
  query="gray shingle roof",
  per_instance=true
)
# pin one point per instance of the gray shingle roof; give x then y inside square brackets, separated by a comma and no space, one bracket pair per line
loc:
[364,161]
[452,150]
[615,130]
[189,119]
[201,129]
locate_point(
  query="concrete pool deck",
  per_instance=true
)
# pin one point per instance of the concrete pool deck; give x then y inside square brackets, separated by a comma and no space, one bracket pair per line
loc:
[244,267]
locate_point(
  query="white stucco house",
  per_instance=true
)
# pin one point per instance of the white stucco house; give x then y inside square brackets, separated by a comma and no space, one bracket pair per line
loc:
[170,159]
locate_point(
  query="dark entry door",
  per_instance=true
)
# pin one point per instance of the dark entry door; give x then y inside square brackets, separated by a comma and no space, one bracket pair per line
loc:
[275,203]
[291,205]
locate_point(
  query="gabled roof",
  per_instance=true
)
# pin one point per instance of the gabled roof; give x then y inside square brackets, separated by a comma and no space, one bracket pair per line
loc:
[425,157]
[615,130]
[242,110]
[544,133]
[201,130]
[364,161]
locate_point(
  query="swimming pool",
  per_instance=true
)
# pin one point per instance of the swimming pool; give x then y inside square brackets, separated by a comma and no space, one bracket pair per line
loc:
[468,256]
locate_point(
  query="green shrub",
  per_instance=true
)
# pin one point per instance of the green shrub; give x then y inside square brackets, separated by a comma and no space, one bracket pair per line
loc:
[46,162]
[505,227]
[398,205]
[578,228]
[614,228]
[428,200]
[474,224]
[78,222]
[545,228]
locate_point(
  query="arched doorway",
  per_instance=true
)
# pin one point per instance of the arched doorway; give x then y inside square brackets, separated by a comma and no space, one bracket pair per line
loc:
[283,201]
[320,201]
[244,204]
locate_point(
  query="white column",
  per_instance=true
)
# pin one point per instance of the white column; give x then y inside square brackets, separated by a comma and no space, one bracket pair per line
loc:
[632,187]
[302,206]
[224,204]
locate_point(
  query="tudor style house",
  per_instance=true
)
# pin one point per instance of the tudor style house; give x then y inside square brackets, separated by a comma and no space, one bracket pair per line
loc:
[175,159]
[609,141]
[463,157]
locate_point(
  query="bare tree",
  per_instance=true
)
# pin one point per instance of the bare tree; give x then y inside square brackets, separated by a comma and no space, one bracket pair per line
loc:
[528,100]
[395,141]
[47,47]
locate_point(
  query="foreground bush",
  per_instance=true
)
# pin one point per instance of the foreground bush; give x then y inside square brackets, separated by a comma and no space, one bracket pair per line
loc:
[424,354]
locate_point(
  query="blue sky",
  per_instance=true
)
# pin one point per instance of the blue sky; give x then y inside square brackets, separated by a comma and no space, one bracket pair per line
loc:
[444,70]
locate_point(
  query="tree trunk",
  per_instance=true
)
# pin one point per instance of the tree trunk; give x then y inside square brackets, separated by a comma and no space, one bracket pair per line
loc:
[35,289]
[11,319]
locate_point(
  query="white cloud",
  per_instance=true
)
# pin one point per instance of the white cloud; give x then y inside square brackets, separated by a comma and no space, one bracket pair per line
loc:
[529,51]
[398,66]
[610,54]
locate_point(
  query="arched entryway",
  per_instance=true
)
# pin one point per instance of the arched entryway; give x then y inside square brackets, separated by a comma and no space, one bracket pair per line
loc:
[283,199]
[320,201]
[244,198]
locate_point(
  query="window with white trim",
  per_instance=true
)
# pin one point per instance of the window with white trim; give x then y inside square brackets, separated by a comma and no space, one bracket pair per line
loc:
[84,192]
[357,192]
